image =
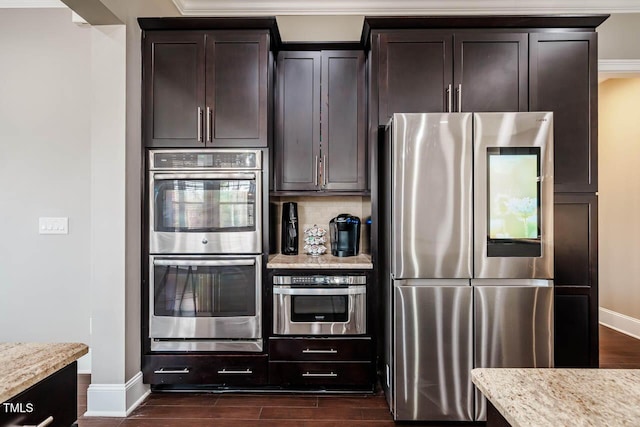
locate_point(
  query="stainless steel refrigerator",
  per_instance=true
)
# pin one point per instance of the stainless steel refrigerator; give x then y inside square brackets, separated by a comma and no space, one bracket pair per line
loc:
[467,257]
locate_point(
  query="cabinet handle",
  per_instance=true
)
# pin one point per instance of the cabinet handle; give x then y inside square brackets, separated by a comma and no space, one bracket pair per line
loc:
[199,124]
[209,133]
[309,351]
[315,179]
[172,371]
[324,171]
[460,98]
[449,98]
[231,372]
[319,375]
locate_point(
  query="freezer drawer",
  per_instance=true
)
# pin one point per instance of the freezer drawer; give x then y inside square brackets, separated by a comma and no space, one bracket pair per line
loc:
[432,352]
[513,327]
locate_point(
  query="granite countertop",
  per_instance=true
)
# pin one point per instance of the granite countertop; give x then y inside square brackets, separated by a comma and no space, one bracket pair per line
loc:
[25,364]
[361,261]
[562,397]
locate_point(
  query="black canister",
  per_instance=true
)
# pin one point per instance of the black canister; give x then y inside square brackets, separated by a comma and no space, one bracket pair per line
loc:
[289,241]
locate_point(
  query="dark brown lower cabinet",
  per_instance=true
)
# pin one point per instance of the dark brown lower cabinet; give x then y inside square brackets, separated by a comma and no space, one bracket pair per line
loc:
[54,397]
[495,418]
[576,280]
[326,363]
[205,369]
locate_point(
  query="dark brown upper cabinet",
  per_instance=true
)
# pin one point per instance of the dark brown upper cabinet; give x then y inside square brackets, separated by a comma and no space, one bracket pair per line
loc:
[320,121]
[205,89]
[444,71]
[563,79]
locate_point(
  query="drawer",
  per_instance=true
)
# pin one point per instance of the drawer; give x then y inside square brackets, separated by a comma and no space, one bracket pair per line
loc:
[322,374]
[321,349]
[224,370]
[54,396]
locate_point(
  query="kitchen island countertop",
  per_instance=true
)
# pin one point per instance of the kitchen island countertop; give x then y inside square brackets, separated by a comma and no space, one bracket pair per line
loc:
[25,364]
[326,261]
[562,397]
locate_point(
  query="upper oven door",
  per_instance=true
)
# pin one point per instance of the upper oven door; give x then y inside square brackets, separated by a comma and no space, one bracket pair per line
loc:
[205,212]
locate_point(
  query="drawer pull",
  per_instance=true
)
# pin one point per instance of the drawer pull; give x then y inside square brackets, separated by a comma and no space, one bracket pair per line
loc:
[320,375]
[231,372]
[44,423]
[172,371]
[310,351]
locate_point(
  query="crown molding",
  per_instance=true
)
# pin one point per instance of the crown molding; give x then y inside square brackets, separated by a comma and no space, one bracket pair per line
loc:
[401,7]
[29,4]
[619,66]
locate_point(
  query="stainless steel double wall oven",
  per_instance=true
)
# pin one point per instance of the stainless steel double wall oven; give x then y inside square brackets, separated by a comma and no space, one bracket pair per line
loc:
[205,246]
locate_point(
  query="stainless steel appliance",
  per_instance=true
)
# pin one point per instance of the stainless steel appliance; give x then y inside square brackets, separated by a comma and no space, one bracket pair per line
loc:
[319,305]
[205,201]
[468,261]
[344,231]
[205,303]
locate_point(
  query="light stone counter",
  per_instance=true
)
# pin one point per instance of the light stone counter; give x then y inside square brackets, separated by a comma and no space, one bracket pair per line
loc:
[325,261]
[25,364]
[562,397]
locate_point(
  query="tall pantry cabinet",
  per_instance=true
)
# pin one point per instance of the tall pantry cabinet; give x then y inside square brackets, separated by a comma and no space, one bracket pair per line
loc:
[508,63]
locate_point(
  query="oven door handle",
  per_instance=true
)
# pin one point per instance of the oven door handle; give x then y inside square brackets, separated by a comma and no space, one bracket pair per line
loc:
[208,175]
[351,290]
[203,262]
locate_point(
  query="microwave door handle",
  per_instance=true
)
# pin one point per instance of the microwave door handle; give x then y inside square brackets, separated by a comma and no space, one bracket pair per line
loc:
[203,263]
[230,175]
[351,290]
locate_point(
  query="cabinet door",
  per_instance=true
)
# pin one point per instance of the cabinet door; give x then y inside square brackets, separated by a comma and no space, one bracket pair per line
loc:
[236,89]
[491,71]
[343,121]
[173,98]
[414,72]
[576,280]
[298,121]
[563,79]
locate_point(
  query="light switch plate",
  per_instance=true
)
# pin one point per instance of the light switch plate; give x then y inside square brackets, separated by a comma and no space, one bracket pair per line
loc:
[47,225]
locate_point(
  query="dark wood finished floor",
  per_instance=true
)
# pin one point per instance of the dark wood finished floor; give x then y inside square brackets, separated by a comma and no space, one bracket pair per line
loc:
[617,350]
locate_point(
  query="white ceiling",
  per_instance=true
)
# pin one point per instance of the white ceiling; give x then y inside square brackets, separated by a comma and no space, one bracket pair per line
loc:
[376,7]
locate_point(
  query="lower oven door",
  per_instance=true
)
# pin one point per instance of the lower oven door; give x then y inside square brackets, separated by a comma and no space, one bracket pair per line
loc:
[319,310]
[205,303]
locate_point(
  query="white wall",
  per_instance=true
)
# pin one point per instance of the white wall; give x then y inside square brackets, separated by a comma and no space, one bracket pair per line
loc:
[45,136]
[618,37]
[619,203]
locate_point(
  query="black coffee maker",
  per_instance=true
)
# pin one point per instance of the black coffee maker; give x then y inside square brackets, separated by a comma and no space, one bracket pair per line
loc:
[289,241]
[345,235]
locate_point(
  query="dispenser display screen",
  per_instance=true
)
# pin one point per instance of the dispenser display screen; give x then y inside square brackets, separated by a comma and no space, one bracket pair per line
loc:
[513,193]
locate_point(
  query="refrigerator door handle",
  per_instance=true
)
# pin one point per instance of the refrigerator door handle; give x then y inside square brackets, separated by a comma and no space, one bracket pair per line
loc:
[459,97]
[449,98]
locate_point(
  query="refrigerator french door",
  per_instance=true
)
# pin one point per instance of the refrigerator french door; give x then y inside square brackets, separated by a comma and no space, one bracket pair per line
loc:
[468,264]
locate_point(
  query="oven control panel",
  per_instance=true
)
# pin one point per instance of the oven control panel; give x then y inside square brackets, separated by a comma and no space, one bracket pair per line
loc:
[319,280]
[210,159]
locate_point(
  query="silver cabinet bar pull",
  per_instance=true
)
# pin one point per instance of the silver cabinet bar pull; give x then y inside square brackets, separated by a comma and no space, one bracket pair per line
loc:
[309,351]
[460,98]
[449,98]
[172,371]
[199,124]
[324,171]
[315,178]
[232,372]
[319,375]
[209,133]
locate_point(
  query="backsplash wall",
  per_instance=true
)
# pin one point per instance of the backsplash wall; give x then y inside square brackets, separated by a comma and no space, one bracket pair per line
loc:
[320,210]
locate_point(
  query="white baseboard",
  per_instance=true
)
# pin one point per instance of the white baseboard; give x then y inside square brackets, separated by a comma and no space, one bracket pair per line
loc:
[620,322]
[116,400]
